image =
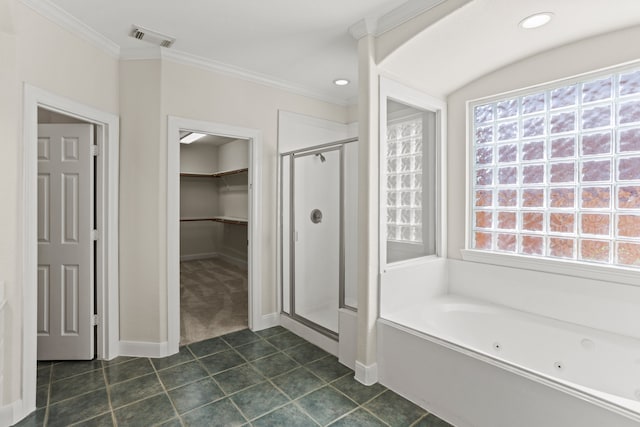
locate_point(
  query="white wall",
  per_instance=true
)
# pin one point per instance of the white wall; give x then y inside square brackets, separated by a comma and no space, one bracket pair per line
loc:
[234,198]
[9,219]
[199,158]
[298,131]
[208,197]
[36,51]
[233,155]
[142,306]
[201,94]
[199,198]
[598,304]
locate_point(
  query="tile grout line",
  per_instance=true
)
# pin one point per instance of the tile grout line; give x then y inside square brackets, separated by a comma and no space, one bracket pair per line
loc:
[269,380]
[166,393]
[291,401]
[415,423]
[49,390]
[211,376]
[297,399]
[108,387]
[375,416]
[107,390]
[288,353]
[74,397]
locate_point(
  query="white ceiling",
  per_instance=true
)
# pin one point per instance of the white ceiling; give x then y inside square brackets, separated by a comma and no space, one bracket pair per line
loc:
[484,35]
[303,43]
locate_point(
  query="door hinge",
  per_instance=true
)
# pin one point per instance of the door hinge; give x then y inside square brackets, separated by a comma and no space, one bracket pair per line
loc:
[95,150]
[95,235]
[95,319]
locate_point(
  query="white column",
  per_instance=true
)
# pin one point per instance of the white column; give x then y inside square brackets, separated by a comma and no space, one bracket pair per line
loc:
[366,358]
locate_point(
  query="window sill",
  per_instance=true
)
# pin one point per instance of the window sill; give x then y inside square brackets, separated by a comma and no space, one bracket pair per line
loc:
[626,276]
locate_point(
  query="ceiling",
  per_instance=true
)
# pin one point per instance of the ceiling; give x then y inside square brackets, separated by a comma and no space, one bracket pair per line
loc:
[302,43]
[484,35]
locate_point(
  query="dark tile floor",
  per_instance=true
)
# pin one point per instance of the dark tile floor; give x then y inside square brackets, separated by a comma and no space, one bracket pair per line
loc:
[268,378]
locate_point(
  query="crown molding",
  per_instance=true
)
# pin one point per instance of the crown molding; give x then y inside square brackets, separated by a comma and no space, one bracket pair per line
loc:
[376,26]
[403,13]
[237,72]
[69,22]
[363,27]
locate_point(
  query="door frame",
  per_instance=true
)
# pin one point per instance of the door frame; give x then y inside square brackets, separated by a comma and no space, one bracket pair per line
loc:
[254,136]
[107,196]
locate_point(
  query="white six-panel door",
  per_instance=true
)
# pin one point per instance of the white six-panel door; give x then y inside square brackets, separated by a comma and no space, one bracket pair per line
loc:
[65,242]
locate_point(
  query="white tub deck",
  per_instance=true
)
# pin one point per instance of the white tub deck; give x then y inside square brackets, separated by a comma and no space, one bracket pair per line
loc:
[595,367]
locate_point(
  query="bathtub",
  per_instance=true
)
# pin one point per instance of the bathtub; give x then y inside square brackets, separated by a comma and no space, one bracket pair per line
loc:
[477,364]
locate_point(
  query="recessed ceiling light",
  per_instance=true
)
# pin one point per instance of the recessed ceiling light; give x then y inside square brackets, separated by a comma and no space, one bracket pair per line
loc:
[536,20]
[191,137]
[341,82]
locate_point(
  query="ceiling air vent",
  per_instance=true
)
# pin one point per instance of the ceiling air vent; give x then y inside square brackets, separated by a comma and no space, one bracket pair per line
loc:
[151,36]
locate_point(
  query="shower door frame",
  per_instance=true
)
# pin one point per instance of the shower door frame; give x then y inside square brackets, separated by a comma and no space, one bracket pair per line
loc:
[303,152]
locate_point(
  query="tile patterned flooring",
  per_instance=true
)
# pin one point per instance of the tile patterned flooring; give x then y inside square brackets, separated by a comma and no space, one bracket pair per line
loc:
[268,378]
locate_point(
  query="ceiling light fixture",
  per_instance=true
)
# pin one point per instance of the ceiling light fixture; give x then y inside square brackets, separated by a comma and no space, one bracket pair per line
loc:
[536,20]
[191,137]
[341,82]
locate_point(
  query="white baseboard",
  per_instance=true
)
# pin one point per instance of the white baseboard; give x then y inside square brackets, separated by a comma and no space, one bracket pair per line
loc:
[195,257]
[327,344]
[240,262]
[367,375]
[144,349]
[267,321]
[12,413]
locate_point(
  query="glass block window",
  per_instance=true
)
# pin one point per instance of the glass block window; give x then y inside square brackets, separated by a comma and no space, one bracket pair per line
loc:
[556,173]
[404,180]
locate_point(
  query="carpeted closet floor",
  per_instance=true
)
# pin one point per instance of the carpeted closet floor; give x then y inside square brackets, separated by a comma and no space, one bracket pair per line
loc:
[213,299]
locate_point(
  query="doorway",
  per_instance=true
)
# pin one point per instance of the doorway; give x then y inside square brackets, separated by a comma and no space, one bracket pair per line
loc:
[106,250]
[214,218]
[253,139]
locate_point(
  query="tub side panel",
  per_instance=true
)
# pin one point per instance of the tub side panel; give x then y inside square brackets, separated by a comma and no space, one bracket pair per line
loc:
[470,393]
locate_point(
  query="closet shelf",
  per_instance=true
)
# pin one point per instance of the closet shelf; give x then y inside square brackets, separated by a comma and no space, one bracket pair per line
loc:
[222,219]
[214,175]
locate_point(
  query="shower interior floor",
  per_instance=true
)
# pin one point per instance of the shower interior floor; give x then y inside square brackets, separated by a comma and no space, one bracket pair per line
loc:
[213,299]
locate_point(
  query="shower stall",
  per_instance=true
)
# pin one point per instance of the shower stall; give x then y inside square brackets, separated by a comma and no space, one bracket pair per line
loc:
[318,234]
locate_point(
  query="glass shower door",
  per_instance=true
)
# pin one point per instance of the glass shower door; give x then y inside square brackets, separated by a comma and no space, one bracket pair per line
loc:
[317,247]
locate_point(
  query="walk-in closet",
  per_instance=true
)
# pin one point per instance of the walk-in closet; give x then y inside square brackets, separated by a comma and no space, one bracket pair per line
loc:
[213,236]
